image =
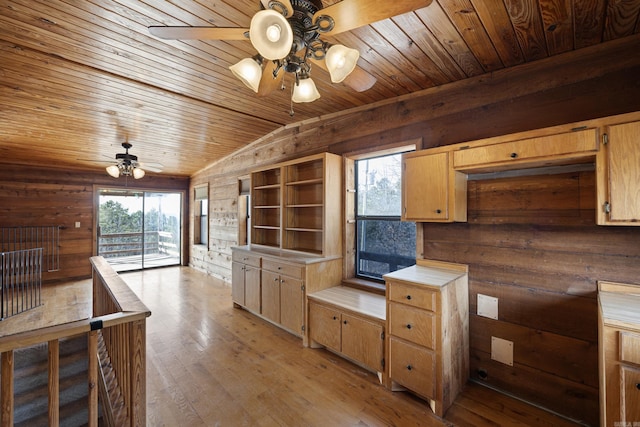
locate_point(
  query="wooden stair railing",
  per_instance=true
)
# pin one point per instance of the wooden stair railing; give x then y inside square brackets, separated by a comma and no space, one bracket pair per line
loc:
[119,322]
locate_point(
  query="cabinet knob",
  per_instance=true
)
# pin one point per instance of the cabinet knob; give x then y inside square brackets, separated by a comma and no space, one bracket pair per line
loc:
[279,268]
[438,211]
[344,321]
[409,297]
[638,386]
[513,155]
[408,325]
[282,281]
[409,367]
[335,317]
[275,280]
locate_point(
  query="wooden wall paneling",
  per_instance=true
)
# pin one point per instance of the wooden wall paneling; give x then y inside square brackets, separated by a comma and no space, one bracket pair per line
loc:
[569,358]
[569,398]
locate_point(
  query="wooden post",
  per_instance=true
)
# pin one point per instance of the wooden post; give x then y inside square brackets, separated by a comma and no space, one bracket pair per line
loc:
[6,398]
[93,378]
[138,373]
[54,383]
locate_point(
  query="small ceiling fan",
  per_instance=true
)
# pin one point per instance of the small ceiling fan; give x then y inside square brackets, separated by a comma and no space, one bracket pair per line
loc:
[286,34]
[128,165]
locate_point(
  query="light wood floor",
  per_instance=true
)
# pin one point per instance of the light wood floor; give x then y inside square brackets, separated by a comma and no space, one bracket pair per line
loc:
[209,364]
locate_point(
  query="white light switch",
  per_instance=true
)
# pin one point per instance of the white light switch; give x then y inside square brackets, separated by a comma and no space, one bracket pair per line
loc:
[502,351]
[487,306]
[77,224]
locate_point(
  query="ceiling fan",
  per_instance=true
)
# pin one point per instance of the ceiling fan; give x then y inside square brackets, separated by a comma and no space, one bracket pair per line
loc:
[286,34]
[128,165]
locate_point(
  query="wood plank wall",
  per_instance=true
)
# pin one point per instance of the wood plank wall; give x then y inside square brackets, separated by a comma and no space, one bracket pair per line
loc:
[31,196]
[542,263]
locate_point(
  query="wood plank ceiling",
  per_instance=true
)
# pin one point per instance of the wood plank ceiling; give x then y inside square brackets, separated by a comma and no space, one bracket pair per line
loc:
[78,78]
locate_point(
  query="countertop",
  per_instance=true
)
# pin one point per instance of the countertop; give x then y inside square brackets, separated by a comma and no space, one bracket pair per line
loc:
[424,275]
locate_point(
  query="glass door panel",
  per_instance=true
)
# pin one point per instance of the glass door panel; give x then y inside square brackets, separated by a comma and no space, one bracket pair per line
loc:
[120,223]
[162,230]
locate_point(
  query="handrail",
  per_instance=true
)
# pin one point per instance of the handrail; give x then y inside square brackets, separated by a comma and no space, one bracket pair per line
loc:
[118,329]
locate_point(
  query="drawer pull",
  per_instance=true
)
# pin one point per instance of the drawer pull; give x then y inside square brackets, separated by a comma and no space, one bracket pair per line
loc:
[638,386]
[409,367]
[513,155]
[408,297]
[408,325]
[438,211]
[279,268]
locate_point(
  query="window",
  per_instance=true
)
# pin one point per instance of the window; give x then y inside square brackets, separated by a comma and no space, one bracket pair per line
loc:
[383,242]
[201,211]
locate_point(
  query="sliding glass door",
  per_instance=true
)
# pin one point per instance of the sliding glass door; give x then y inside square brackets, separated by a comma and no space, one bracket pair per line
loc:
[139,229]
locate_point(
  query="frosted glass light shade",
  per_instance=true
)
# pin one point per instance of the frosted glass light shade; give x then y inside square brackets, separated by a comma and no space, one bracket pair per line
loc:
[249,72]
[305,91]
[138,173]
[270,34]
[340,61]
[113,170]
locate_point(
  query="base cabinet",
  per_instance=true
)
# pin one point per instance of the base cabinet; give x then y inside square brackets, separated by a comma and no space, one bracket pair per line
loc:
[352,335]
[428,331]
[619,353]
[246,281]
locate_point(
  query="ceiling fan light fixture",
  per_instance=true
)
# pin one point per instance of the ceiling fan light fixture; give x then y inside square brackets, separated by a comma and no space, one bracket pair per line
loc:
[341,61]
[305,91]
[113,170]
[271,34]
[249,71]
[138,173]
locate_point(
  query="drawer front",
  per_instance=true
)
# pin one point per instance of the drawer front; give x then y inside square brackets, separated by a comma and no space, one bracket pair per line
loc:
[527,150]
[413,367]
[412,324]
[412,295]
[630,347]
[276,266]
[247,258]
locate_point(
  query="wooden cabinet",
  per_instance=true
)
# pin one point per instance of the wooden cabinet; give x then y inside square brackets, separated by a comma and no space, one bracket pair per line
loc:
[431,189]
[618,170]
[246,281]
[619,353]
[428,331]
[283,294]
[537,151]
[350,322]
[294,205]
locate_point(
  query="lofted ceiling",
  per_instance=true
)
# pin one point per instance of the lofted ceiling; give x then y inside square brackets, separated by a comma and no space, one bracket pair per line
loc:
[79,78]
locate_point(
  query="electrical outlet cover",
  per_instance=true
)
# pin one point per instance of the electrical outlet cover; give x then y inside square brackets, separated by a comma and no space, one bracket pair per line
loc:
[488,306]
[502,351]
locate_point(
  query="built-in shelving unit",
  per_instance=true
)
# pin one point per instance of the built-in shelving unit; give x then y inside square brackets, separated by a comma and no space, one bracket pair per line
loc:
[296,205]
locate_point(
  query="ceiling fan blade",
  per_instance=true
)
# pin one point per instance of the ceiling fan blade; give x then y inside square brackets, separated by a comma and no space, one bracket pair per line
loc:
[151,167]
[350,14]
[267,82]
[200,33]
[285,3]
[358,80]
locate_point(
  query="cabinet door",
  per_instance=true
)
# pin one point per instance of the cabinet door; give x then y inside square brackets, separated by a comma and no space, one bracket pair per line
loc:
[425,187]
[252,291]
[291,304]
[362,341]
[237,283]
[630,394]
[324,326]
[623,160]
[271,296]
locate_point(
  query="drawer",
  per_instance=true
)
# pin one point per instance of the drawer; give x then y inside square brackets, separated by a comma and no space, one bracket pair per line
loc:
[630,347]
[247,258]
[276,266]
[413,367]
[539,150]
[412,324]
[412,295]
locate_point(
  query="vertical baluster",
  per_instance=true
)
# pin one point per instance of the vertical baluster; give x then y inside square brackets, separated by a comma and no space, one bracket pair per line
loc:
[93,378]
[54,383]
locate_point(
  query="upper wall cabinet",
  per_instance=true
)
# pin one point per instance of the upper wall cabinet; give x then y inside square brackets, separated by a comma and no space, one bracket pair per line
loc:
[431,190]
[527,153]
[296,205]
[618,175]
